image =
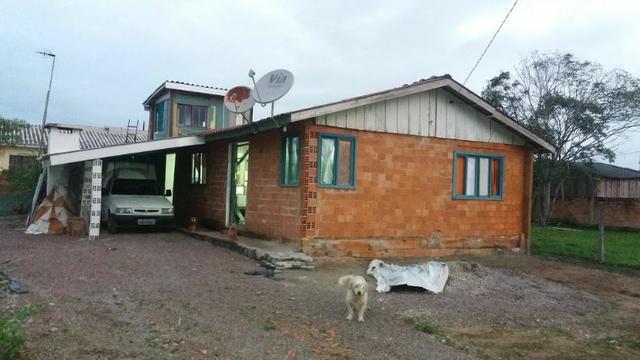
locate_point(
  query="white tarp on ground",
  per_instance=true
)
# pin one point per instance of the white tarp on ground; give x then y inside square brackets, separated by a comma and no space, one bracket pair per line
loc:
[431,275]
[52,216]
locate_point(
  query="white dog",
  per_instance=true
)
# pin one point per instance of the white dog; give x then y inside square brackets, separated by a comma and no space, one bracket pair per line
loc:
[356,295]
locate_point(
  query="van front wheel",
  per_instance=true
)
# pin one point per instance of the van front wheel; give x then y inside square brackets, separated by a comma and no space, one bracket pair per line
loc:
[112,226]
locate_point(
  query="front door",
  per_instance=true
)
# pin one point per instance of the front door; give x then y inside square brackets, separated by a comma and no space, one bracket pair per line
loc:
[238,182]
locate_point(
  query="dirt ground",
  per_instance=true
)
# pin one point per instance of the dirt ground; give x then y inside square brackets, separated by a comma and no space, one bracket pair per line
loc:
[167,296]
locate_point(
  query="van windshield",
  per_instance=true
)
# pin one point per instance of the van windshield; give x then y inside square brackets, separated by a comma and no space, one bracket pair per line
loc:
[135,187]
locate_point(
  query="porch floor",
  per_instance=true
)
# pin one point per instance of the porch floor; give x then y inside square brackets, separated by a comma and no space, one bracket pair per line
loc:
[271,253]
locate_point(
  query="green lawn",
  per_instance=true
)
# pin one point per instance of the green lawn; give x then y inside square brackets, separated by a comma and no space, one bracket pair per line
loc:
[622,247]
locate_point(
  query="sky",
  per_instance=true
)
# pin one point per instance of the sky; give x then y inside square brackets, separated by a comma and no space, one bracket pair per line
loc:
[112,54]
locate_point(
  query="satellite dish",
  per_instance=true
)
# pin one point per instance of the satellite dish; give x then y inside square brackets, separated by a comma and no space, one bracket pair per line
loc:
[238,99]
[272,86]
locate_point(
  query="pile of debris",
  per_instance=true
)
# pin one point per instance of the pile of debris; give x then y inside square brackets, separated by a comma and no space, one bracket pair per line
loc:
[284,260]
[9,284]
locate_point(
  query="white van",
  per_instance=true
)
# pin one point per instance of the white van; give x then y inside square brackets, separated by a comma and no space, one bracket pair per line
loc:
[134,201]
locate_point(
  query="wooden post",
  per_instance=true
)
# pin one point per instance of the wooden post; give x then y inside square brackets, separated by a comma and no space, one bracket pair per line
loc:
[601,229]
[527,202]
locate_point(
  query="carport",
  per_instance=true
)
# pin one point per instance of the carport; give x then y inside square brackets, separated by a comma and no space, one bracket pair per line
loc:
[81,171]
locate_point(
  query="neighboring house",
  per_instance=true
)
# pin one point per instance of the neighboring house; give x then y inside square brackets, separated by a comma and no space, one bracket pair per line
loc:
[24,151]
[616,187]
[178,109]
[423,169]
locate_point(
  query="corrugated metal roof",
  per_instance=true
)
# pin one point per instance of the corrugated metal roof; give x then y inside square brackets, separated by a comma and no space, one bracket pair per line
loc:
[190,84]
[614,172]
[182,86]
[91,137]
[439,81]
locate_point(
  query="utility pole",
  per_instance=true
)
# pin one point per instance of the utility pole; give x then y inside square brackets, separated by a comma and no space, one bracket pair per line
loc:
[46,104]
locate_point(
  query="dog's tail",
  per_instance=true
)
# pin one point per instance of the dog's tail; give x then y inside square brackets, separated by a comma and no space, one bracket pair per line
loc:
[345,279]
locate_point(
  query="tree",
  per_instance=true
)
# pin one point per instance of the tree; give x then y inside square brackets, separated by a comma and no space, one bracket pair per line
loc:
[10,130]
[576,105]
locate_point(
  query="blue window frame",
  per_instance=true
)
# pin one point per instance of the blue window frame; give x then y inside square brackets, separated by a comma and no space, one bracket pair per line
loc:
[337,161]
[290,160]
[478,176]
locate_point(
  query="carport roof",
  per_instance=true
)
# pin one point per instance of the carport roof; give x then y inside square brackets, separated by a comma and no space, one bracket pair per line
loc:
[123,149]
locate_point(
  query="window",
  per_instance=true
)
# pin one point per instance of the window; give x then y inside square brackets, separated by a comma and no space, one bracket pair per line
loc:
[192,116]
[290,160]
[135,187]
[161,115]
[21,161]
[478,176]
[198,168]
[336,161]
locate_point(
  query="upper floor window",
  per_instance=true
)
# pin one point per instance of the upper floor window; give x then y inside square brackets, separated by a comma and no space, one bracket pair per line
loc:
[478,176]
[336,161]
[192,116]
[161,115]
[290,160]
[198,168]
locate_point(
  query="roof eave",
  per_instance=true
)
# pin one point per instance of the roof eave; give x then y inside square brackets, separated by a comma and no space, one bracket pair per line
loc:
[153,95]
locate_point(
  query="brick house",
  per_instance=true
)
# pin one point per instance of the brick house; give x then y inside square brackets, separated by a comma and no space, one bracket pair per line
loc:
[617,188]
[424,169]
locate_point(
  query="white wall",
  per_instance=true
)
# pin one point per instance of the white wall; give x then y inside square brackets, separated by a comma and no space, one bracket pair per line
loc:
[63,140]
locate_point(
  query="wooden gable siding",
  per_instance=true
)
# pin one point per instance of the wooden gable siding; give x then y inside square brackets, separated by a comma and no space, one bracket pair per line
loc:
[619,188]
[434,113]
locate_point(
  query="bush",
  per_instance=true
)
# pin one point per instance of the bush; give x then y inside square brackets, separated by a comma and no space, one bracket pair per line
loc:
[12,337]
[23,181]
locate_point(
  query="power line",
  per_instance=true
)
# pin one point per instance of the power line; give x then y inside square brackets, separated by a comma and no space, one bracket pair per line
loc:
[490,42]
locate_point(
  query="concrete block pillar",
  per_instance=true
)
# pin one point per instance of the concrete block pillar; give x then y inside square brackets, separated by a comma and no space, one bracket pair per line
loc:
[96,199]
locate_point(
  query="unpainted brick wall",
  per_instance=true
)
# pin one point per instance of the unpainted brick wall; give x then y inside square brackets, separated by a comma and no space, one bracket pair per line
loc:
[617,212]
[402,204]
[205,202]
[272,211]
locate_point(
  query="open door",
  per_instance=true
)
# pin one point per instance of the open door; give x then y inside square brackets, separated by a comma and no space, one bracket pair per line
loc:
[238,183]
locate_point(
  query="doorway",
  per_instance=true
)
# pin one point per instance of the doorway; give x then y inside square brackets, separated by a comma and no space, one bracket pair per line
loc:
[238,182]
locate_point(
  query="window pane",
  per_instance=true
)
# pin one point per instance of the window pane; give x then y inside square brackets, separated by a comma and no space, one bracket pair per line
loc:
[184,115]
[344,162]
[290,160]
[483,189]
[293,161]
[327,160]
[460,161]
[495,179]
[199,116]
[160,112]
[471,177]
[198,168]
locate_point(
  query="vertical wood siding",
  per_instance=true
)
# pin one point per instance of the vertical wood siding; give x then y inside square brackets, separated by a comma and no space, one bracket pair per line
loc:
[435,113]
[619,188]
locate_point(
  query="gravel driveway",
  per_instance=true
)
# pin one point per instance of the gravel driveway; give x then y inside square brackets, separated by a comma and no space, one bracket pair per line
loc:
[166,295]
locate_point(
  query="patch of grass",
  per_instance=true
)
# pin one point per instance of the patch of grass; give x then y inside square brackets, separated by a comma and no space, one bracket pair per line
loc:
[429,327]
[268,326]
[629,342]
[12,336]
[152,341]
[622,248]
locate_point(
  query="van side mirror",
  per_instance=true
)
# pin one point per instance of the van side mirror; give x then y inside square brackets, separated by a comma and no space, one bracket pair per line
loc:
[167,192]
